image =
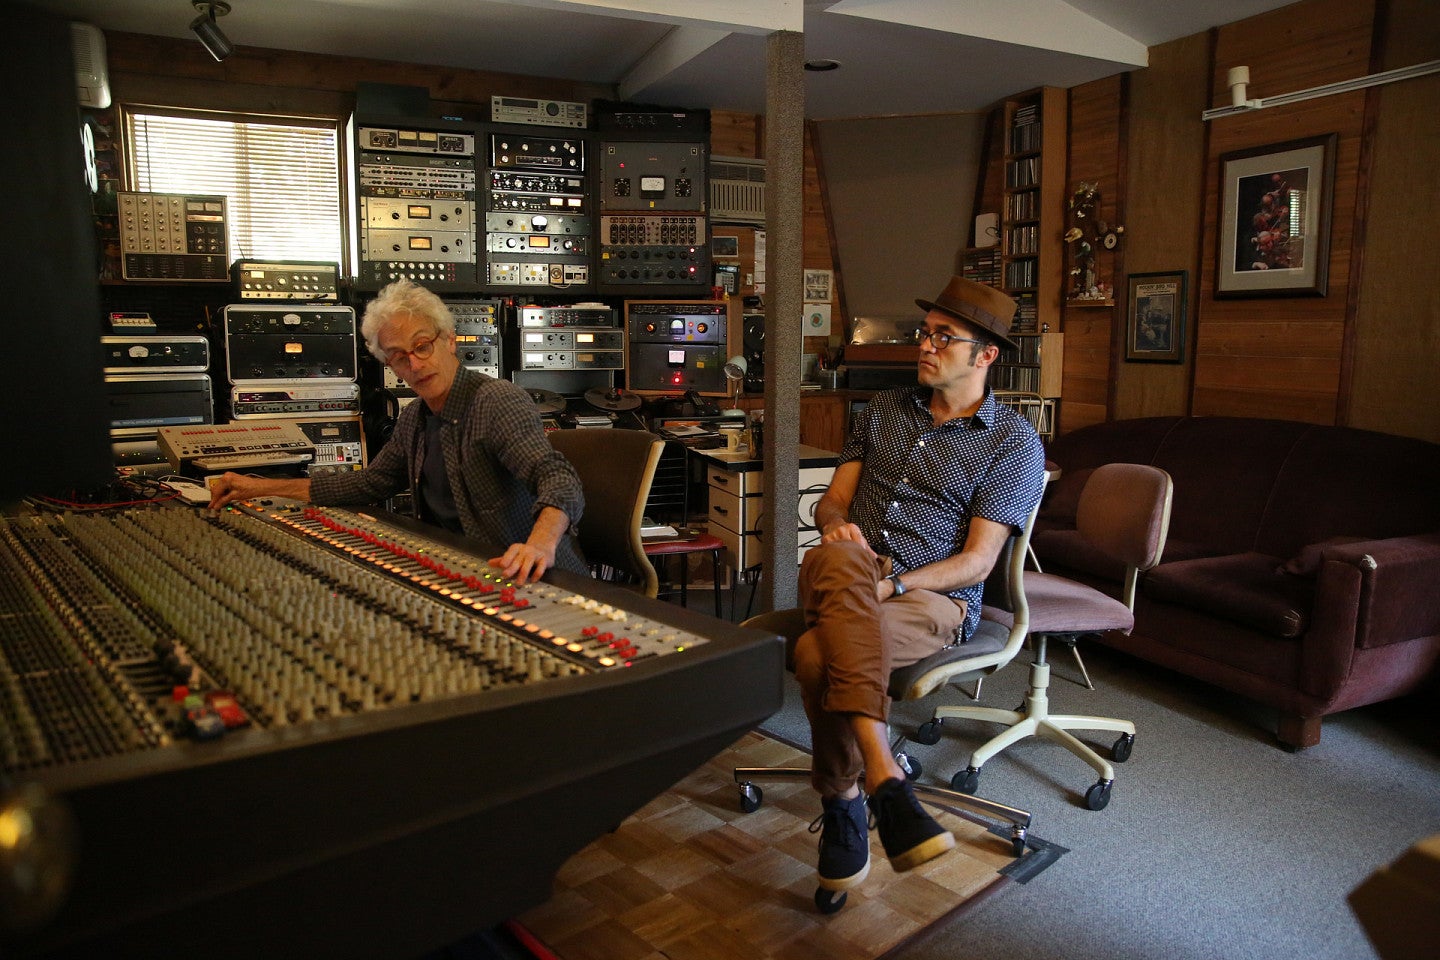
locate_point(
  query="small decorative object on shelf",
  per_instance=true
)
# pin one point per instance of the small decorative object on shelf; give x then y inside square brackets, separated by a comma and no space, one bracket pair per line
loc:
[1089,233]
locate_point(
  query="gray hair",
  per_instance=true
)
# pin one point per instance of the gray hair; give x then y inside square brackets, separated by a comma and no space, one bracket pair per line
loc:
[403,297]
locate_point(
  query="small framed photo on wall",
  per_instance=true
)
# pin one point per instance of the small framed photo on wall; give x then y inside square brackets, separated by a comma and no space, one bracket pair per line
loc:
[1275,219]
[1155,323]
[724,246]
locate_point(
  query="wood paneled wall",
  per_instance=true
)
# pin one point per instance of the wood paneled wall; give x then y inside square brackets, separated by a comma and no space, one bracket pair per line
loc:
[1362,355]
[1164,191]
[1096,155]
[1396,334]
[1281,356]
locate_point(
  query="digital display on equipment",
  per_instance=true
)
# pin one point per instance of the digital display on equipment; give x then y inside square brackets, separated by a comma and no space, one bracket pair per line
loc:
[419,243]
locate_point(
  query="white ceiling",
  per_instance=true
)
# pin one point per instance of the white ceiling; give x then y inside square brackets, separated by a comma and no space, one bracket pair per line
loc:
[897,56]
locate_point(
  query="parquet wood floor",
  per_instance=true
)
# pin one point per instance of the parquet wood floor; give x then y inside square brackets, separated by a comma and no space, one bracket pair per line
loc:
[691,877]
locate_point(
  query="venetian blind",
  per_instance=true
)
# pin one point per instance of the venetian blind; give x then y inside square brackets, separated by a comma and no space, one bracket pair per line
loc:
[280,176]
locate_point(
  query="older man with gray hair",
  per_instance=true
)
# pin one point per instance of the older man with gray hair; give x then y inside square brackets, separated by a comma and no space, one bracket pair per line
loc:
[472,453]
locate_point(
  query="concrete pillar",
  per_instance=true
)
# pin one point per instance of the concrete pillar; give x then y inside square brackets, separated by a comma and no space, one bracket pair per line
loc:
[784,311]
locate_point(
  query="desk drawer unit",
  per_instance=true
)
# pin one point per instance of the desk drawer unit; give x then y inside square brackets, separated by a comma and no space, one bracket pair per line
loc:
[738,516]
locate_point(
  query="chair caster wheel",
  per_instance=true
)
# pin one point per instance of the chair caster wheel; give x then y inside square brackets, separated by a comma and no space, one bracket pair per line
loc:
[1017,842]
[966,781]
[1098,796]
[1120,752]
[928,734]
[751,797]
[911,766]
[829,901]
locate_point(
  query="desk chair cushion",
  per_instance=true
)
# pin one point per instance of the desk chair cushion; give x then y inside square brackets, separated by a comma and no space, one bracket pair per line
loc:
[989,638]
[1061,606]
[696,543]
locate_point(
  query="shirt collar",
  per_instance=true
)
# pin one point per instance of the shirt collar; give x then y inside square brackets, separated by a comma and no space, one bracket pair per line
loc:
[983,417]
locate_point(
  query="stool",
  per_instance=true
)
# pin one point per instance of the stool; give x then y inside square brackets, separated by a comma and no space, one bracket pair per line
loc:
[696,543]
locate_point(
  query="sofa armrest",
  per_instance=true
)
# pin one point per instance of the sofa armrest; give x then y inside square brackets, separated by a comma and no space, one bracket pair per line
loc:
[1369,594]
[1398,600]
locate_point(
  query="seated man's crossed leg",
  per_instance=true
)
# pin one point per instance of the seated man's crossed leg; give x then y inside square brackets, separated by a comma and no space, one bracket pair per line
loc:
[843,663]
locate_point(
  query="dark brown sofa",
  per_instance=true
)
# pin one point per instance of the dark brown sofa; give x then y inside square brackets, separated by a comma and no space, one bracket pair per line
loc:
[1303,564]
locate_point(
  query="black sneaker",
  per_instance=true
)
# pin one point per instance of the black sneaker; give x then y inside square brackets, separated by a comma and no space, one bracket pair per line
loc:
[844,842]
[910,835]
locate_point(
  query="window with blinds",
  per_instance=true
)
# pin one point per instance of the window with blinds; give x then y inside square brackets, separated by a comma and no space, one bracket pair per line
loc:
[280,176]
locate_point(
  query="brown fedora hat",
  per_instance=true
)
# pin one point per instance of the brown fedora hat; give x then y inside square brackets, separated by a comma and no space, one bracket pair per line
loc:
[983,306]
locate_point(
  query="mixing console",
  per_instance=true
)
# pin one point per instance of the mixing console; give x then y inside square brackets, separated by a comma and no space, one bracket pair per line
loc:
[296,612]
[299,699]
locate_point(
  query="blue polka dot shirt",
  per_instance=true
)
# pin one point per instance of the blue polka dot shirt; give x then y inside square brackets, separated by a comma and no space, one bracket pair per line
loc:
[921,483]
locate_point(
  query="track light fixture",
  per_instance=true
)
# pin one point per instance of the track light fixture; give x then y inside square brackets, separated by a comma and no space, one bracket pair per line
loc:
[209,32]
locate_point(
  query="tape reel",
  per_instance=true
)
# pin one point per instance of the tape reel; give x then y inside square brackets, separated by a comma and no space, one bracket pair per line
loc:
[546,401]
[611,399]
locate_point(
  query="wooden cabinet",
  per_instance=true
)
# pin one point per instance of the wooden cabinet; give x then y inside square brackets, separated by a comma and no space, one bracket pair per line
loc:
[823,418]
[1033,207]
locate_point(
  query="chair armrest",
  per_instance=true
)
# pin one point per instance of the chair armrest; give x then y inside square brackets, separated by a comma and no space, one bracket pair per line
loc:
[1369,594]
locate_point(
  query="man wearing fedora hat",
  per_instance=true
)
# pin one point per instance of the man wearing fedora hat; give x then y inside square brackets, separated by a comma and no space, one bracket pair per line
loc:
[932,481]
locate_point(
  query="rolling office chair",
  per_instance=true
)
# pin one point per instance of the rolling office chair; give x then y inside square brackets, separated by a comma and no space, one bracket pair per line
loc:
[1124,512]
[616,468]
[991,647]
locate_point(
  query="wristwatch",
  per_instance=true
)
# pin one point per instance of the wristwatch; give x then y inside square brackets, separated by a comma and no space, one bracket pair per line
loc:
[894,579]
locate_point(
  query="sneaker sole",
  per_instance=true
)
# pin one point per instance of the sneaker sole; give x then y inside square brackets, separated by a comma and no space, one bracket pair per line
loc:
[845,883]
[923,852]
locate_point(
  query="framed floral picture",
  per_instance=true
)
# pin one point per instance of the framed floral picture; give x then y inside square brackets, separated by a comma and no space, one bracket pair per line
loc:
[1155,323]
[1275,219]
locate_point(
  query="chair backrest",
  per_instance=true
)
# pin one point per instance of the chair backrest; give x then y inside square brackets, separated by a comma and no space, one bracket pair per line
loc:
[1124,511]
[616,468]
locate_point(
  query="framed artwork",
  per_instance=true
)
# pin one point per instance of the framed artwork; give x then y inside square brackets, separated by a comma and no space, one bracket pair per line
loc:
[1155,324]
[817,284]
[1275,219]
[723,246]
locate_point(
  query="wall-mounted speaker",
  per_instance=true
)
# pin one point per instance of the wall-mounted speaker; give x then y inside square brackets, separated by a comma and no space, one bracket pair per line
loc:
[92,76]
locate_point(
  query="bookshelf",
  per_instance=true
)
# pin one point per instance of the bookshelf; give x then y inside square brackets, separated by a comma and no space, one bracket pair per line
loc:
[1034,368]
[1031,267]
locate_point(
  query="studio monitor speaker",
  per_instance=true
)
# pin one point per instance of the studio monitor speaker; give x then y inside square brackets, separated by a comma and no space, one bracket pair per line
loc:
[92,78]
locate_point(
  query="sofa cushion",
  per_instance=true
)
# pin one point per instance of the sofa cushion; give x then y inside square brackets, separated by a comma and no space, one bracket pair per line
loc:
[1068,550]
[1224,470]
[1243,587]
[1342,480]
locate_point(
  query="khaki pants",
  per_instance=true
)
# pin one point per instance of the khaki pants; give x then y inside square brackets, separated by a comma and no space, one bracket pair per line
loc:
[843,661]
